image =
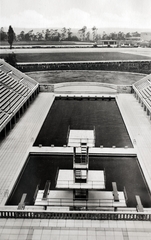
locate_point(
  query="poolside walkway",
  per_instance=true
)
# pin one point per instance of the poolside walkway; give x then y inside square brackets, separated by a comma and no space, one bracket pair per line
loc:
[62,229]
[139,128]
[14,149]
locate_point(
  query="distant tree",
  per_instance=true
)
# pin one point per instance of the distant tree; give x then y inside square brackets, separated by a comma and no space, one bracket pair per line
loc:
[43,34]
[54,35]
[136,34]
[38,36]
[74,38]
[88,36]
[21,36]
[29,36]
[128,35]
[3,35]
[113,36]
[120,36]
[69,33]
[63,33]
[94,33]
[82,32]
[47,33]
[104,36]
[11,59]
[11,36]
[99,37]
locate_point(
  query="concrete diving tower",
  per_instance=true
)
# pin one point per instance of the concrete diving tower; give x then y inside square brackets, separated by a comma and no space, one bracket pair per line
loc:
[80,186]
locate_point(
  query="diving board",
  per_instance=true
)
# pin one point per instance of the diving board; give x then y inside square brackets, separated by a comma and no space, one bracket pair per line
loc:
[21,204]
[139,206]
[115,192]
[78,137]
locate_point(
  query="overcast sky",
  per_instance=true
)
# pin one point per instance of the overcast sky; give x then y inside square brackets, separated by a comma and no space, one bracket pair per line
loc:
[75,13]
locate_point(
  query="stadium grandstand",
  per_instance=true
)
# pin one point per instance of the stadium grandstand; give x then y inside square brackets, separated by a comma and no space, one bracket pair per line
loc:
[142,90]
[42,220]
[17,92]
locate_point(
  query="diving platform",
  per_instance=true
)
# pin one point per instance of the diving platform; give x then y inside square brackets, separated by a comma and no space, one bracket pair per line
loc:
[101,151]
[66,180]
[95,199]
[80,186]
[78,137]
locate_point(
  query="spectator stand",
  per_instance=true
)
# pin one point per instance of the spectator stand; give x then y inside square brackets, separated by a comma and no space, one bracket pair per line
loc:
[17,91]
[142,92]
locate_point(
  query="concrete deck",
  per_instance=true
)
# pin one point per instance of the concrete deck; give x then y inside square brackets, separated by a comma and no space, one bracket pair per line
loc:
[15,148]
[62,229]
[139,128]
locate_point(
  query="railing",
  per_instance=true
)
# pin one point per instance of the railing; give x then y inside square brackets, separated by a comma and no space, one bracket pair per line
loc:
[76,215]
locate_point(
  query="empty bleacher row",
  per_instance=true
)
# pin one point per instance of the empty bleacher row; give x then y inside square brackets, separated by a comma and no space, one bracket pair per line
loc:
[16,90]
[14,85]
[9,100]
[142,90]
[144,86]
[3,116]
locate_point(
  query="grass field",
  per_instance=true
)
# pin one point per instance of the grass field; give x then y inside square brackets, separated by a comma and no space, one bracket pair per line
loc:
[75,56]
[41,43]
[118,78]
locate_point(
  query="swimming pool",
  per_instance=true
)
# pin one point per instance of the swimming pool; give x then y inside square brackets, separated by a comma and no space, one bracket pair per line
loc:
[125,171]
[101,114]
[83,113]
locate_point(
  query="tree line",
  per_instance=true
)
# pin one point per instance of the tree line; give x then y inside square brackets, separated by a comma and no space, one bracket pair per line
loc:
[64,34]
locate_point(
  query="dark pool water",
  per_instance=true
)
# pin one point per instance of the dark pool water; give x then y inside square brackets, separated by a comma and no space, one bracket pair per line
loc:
[125,171]
[103,115]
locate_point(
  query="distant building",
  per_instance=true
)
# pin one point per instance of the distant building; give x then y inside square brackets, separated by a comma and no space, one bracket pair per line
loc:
[107,43]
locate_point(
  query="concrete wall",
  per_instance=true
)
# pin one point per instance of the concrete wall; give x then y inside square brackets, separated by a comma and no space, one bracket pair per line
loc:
[85,87]
[126,66]
[124,89]
[46,88]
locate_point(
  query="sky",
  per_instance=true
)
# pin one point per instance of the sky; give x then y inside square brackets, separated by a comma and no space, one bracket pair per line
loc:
[75,13]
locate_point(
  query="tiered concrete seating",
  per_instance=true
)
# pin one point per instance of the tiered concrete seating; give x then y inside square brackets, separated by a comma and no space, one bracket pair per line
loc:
[15,85]
[3,116]
[15,89]
[28,83]
[143,88]
[149,101]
